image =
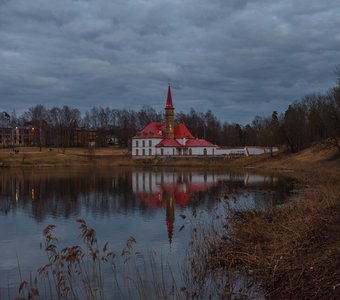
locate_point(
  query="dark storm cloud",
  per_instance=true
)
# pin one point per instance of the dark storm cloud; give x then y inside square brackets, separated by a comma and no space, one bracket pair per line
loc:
[237,58]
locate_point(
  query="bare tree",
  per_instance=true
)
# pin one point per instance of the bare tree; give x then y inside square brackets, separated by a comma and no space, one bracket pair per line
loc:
[333,120]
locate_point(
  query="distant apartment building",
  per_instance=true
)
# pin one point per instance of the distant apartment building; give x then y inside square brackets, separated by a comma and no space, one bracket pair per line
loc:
[14,136]
[84,137]
[5,137]
[32,136]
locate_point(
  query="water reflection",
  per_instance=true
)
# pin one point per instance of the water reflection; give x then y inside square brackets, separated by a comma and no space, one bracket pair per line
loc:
[149,204]
[66,193]
[168,189]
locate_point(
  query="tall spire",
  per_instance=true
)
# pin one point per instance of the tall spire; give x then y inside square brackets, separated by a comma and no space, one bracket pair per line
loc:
[169,99]
[169,116]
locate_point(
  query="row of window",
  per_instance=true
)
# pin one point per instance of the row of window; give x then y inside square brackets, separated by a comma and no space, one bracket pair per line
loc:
[15,139]
[150,152]
[205,152]
[143,152]
[143,143]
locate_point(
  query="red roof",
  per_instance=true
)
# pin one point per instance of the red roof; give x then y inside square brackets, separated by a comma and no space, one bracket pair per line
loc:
[168,143]
[181,131]
[151,199]
[153,130]
[169,99]
[198,143]
[182,198]
[198,186]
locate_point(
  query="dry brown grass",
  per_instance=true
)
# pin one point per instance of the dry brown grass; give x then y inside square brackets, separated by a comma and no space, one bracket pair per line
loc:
[32,156]
[309,159]
[72,150]
[293,251]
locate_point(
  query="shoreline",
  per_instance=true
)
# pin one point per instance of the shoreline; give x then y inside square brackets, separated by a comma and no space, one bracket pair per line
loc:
[78,157]
[292,251]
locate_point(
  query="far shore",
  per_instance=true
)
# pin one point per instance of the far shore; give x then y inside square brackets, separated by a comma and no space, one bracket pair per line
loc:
[109,156]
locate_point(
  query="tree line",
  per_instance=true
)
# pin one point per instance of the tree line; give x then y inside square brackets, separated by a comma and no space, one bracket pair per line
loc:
[314,118]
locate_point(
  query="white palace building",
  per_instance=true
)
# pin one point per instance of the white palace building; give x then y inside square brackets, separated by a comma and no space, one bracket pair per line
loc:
[164,139]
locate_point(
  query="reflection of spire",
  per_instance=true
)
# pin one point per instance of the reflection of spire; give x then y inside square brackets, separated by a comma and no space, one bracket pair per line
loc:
[17,191]
[170,214]
[33,194]
[159,190]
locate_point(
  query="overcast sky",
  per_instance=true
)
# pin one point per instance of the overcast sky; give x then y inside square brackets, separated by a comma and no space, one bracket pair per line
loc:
[238,58]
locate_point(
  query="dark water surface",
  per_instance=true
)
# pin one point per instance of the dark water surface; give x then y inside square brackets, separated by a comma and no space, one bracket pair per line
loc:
[155,206]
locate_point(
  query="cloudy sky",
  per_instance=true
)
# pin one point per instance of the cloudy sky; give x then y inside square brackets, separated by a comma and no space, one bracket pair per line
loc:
[238,58]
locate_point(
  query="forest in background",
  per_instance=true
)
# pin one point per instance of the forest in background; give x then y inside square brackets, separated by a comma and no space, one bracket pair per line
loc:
[314,118]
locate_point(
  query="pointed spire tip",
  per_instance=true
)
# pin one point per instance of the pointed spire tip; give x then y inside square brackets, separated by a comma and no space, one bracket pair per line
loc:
[169,99]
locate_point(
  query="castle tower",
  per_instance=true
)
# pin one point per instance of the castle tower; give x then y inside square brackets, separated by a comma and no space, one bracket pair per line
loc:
[169,116]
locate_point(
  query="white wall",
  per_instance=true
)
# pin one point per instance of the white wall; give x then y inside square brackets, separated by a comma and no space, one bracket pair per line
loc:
[167,151]
[244,151]
[200,150]
[146,148]
[234,151]
[259,150]
[170,151]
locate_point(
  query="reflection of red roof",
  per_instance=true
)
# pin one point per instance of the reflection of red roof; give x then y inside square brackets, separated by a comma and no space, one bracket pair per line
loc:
[152,200]
[198,143]
[181,131]
[182,194]
[182,198]
[153,130]
[169,99]
[168,143]
[168,187]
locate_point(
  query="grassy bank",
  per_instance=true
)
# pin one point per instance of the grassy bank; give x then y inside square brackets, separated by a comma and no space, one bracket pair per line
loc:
[292,251]
[63,157]
[109,156]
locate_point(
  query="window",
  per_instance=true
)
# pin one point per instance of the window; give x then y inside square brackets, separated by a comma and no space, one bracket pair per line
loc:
[150,152]
[136,143]
[143,143]
[190,151]
[205,151]
[143,152]
[136,152]
[162,151]
[150,143]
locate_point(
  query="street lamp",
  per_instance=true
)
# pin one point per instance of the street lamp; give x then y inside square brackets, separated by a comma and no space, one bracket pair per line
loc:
[32,136]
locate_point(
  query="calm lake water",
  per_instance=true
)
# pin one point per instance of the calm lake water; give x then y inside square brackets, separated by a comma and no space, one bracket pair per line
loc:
[158,207]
